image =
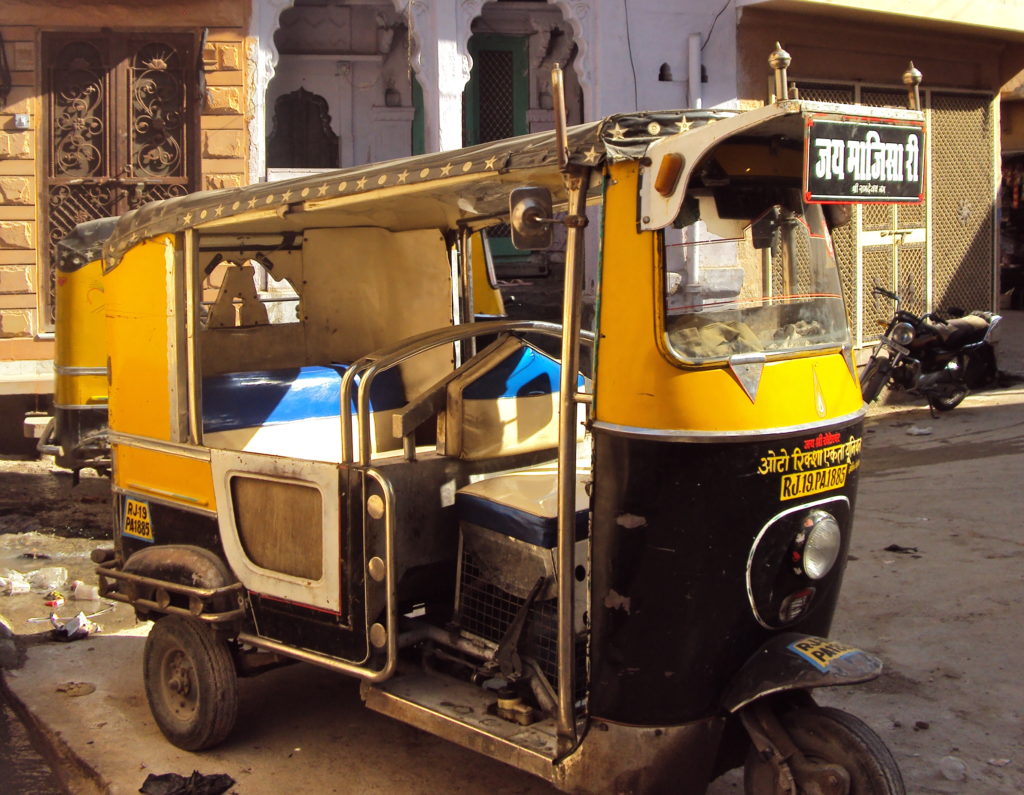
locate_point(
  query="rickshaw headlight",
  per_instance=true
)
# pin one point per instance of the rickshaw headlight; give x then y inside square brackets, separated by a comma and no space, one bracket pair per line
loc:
[902,334]
[822,540]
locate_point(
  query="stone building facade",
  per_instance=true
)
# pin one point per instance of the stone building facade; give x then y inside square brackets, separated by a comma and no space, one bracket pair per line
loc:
[108,105]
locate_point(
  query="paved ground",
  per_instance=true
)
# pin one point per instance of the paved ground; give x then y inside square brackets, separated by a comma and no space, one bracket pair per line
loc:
[945,616]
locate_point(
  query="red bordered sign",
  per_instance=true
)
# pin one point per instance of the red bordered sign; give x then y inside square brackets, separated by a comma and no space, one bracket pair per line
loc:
[862,160]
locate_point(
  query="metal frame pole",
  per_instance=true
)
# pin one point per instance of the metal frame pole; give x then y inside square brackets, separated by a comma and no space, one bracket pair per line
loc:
[576,185]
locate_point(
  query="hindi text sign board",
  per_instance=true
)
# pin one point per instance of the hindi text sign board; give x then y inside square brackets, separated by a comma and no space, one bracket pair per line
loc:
[863,160]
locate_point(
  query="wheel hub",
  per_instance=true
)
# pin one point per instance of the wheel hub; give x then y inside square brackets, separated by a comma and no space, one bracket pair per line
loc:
[178,679]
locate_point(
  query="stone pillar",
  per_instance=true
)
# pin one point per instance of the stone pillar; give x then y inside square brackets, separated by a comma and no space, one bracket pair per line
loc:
[261,55]
[442,66]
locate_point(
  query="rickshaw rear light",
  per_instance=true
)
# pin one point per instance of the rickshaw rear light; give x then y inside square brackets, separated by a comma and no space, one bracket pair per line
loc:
[668,174]
[823,540]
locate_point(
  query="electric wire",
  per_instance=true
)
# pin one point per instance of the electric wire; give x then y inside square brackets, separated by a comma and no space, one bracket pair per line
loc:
[711,30]
[629,49]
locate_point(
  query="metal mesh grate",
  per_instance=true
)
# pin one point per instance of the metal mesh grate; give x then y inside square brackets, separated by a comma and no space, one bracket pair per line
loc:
[843,243]
[911,215]
[496,95]
[486,611]
[877,271]
[826,93]
[912,281]
[962,201]
[877,217]
[883,98]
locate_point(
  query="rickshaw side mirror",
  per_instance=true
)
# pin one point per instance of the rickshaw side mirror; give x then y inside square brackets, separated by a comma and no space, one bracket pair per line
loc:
[764,232]
[530,218]
[838,215]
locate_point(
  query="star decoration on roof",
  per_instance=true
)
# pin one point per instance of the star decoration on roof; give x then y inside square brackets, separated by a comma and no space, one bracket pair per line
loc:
[187,218]
[489,162]
[218,210]
[250,204]
[361,183]
[618,132]
[286,196]
[685,125]
[591,155]
[321,190]
[445,169]
[403,175]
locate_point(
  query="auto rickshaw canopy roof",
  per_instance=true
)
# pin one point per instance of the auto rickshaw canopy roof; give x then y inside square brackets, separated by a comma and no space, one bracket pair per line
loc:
[441,190]
[432,190]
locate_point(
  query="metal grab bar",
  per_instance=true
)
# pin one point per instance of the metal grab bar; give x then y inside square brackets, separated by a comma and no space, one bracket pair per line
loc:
[374,363]
[197,597]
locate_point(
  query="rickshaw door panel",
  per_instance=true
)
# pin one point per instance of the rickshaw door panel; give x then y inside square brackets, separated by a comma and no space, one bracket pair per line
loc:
[280,526]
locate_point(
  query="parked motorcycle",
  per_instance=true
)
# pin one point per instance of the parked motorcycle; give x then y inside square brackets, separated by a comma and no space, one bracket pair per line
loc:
[939,359]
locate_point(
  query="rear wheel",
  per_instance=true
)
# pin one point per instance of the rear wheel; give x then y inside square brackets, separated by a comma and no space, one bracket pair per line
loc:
[946,397]
[831,736]
[190,683]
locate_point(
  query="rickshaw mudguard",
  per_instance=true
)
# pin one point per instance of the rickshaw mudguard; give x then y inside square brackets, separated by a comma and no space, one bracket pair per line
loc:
[795,661]
[149,577]
[182,564]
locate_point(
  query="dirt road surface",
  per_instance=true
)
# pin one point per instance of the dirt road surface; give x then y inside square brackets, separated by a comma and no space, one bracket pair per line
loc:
[941,606]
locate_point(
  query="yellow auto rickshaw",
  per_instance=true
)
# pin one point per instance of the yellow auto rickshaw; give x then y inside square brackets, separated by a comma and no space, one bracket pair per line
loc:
[620,579]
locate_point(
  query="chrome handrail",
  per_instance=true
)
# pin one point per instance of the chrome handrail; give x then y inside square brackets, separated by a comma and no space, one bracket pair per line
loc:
[371,365]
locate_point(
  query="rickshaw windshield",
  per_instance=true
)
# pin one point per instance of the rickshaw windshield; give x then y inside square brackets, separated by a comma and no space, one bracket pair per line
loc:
[750,272]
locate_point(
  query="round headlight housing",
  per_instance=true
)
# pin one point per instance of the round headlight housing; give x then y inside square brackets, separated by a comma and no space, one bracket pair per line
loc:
[902,334]
[821,542]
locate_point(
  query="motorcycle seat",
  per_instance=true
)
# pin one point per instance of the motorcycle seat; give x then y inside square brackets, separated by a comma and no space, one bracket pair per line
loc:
[961,331]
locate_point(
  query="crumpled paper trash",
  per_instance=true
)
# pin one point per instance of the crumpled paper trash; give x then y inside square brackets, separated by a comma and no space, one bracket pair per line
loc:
[74,628]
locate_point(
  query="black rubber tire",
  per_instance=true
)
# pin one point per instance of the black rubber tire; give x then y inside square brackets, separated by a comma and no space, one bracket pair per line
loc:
[830,735]
[190,683]
[872,380]
[951,396]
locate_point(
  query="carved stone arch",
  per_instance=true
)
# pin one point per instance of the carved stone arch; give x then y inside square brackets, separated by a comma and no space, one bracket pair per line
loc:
[301,136]
[468,11]
[416,13]
[262,57]
[579,14]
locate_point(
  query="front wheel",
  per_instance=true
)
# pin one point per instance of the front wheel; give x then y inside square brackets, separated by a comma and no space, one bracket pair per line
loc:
[830,736]
[190,683]
[875,374]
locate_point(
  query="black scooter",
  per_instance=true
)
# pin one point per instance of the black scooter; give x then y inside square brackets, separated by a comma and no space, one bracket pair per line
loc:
[939,359]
